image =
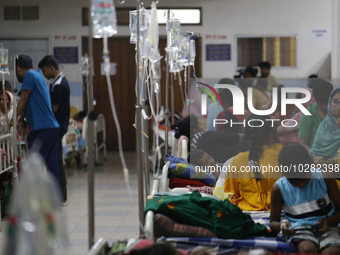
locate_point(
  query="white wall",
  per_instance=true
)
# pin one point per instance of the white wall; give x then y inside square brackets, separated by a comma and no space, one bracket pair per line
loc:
[220,17]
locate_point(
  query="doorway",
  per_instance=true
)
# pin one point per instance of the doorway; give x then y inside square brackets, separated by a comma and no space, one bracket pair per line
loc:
[123,86]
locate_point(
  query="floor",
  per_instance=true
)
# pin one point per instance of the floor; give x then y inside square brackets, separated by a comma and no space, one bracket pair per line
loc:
[116,213]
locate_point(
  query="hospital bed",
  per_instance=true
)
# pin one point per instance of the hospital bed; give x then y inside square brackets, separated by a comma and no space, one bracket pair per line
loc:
[22,145]
[73,142]
[7,161]
[70,140]
[157,132]
[164,181]
[99,127]
[214,245]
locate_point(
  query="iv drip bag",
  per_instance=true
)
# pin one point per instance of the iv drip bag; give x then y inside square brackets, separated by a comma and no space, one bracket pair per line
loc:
[153,35]
[3,60]
[104,18]
[173,31]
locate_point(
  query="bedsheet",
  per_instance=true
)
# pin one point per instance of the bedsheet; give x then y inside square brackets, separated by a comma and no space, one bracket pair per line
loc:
[232,246]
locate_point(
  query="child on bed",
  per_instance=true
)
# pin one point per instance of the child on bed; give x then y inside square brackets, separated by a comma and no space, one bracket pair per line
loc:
[204,160]
[311,204]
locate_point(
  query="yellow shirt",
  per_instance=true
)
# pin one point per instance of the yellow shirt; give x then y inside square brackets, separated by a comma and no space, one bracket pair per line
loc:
[260,101]
[253,195]
[272,82]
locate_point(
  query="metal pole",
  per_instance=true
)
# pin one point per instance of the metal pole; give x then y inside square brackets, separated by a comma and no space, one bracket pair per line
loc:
[4,93]
[146,148]
[90,142]
[15,174]
[166,112]
[189,60]
[172,100]
[172,113]
[145,136]
[139,138]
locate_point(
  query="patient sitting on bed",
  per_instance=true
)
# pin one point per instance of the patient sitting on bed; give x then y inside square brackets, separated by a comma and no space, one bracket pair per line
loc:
[6,101]
[311,203]
[205,161]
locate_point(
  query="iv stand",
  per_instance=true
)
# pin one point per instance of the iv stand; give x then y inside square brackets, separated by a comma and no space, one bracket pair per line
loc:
[15,174]
[166,112]
[138,108]
[172,112]
[90,123]
[4,93]
[189,34]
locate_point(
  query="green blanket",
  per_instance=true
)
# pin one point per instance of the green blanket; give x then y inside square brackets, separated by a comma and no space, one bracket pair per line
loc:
[221,217]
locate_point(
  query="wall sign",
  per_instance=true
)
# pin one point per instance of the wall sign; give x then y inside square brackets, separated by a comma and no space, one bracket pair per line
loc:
[66,55]
[65,37]
[218,52]
[219,37]
[318,34]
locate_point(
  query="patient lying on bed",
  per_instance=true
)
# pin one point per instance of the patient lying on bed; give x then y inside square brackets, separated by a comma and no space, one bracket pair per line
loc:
[205,161]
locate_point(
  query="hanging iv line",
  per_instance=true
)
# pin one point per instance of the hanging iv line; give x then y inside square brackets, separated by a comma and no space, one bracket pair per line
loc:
[105,25]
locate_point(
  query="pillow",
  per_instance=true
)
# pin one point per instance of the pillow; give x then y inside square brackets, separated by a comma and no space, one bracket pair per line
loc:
[178,183]
[188,171]
[164,226]
[174,159]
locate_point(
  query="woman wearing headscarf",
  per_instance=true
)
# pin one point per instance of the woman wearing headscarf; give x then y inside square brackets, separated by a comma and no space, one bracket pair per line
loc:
[327,139]
[290,133]
[6,101]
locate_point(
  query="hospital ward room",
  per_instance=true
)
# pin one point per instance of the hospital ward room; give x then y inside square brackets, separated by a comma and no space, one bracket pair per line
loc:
[166,127]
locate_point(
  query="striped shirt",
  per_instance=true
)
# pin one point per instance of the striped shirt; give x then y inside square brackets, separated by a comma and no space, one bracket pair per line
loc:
[195,139]
[303,206]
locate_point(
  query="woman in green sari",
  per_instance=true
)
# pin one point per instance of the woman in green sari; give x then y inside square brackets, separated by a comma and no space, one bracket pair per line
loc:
[327,139]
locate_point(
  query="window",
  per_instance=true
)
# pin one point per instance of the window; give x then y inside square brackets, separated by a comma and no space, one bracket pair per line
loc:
[187,16]
[279,51]
[12,13]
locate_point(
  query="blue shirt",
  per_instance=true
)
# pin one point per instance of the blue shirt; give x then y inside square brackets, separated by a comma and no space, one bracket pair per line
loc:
[38,110]
[212,112]
[301,205]
[60,95]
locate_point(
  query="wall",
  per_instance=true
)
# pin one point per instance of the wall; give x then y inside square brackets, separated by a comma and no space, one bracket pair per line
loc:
[220,17]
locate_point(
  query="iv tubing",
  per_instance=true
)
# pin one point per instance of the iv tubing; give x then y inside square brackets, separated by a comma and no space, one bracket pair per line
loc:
[114,113]
[157,152]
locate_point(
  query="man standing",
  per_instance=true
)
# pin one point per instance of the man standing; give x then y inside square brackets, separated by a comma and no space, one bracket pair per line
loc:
[35,106]
[60,97]
[265,73]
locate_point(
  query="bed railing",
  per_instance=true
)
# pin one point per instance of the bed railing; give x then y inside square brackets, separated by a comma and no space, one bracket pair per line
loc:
[100,127]
[7,152]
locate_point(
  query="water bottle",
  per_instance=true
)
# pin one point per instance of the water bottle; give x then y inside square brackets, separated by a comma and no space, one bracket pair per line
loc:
[104,18]
[3,60]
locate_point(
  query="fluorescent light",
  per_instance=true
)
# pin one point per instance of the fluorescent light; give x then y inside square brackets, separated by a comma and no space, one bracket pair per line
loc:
[186,16]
